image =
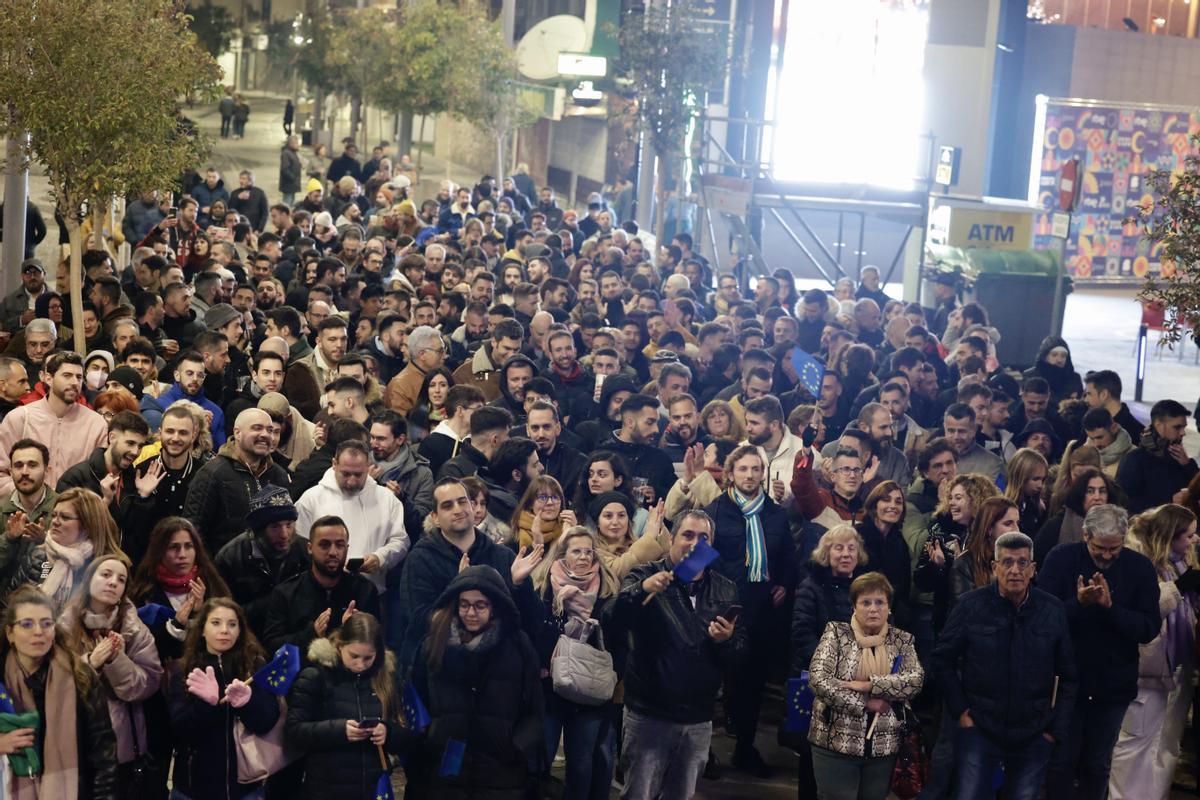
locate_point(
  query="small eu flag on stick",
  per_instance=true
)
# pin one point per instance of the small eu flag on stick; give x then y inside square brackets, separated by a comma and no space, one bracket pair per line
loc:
[690,566]
[416,716]
[154,614]
[278,673]
[808,370]
[383,787]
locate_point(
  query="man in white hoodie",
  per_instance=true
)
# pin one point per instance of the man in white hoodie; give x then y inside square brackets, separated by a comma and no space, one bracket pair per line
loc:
[374,516]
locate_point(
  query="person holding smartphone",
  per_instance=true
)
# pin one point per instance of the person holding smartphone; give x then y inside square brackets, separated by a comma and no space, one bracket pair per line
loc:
[344,707]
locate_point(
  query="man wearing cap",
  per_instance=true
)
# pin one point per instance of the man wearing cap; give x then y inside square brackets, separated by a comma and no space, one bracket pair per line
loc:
[945,300]
[265,555]
[18,306]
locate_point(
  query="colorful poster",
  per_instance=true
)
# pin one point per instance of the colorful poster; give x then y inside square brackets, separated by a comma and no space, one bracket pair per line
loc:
[1116,146]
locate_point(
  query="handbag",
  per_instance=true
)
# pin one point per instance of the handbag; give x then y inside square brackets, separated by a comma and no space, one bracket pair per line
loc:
[145,779]
[260,756]
[911,770]
[580,672]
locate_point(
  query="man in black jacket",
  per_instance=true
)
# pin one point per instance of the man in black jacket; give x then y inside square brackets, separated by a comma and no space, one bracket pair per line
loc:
[489,430]
[316,603]
[1111,598]
[436,558]
[559,460]
[265,555]
[1158,467]
[681,647]
[1007,673]
[634,441]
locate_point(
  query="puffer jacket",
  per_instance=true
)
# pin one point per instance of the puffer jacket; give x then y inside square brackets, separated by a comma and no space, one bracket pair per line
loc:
[674,668]
[822,598]
[323,698]
[132,677]
[218,498]
[730,543]
[245,568]
[487,696]
[840,719]
[205,753]
[1012,668]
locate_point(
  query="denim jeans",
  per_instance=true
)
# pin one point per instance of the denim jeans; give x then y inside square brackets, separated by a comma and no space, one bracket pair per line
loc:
[589,742]
[662,758]
[1087,752]
[979,757]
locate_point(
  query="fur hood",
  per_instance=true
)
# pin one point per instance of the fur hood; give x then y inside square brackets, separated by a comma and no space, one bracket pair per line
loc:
[323,653]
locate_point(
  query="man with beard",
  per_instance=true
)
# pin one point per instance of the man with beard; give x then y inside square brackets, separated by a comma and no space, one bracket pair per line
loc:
[265,377]
[489,429]
[317,602]
[1111,596]
[14,384]
[514,375]
[443,442]
[683,427]
[263,556]
[1158,467]
[67,428]
[508,474]
[875,420]
[573,383]
[468,337]
[613,393]
[611,297]
[26,511]
[109,472]
[483,368]
[635,441]
[218,499]
[189,385]
[163,479]
[396,464]
[390,335]
[560,461]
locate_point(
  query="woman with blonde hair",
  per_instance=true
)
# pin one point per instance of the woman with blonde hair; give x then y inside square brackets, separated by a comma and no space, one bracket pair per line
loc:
[1147,750]
[541,514]
[719,421]
[824,595]
[81,529]
[1025,484]
[576,586]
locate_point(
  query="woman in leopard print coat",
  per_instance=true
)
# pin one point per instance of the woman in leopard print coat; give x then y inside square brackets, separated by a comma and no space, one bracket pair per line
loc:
[860,672]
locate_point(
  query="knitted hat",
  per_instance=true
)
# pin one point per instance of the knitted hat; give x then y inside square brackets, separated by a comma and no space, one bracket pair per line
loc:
[407,207]
[605,498]
[323,220]
[313,185]
[271,504]
[220,315]
[130,379]
[346,184]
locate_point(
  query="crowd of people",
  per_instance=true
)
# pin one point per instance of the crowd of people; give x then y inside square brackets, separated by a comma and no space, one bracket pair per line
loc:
[434,446]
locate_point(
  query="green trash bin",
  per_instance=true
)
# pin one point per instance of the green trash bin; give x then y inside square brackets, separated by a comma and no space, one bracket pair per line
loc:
[1021,306]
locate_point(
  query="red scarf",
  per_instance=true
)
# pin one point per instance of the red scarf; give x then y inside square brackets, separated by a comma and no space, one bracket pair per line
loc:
[570,376]
[172,583]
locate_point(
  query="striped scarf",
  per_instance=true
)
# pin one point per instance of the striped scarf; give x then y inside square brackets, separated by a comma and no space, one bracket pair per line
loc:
[756,545]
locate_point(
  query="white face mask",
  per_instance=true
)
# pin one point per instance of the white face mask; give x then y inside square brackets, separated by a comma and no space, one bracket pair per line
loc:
[96,380]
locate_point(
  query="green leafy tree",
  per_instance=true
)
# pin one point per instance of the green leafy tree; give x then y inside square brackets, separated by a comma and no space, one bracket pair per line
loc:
[213,26]
[102,120]
[667,60]
[1172,222]
[359,38]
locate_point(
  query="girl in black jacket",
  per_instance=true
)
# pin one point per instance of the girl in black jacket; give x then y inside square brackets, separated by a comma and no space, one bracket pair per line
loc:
[219,656]
[353,681]
[478,676]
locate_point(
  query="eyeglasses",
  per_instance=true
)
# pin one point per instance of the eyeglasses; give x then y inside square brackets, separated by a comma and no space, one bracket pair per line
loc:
[548,498]
[30,624]
[1020,563]
[849,470]
[481,607]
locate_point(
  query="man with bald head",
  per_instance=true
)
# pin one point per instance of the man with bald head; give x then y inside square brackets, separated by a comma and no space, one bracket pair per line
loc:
[219,498]
[539,325]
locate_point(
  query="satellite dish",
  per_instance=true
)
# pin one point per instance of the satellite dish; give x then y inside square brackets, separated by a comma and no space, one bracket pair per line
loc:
[537,52]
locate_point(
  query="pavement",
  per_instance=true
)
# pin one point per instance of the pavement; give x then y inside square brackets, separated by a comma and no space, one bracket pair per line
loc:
[1100,324]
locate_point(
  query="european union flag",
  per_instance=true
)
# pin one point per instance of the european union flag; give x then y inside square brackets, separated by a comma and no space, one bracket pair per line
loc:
[6,704]
[799,704]
[154,614]
[278,673]
[701,555]
[416,716]
[383,789]
[809,370]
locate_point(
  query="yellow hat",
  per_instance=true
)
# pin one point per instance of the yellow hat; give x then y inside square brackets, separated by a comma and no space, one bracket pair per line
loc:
[313,185]
[406,207]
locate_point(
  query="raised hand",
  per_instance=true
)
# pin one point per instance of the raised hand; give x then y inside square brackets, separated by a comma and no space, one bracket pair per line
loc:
[655,519]
[204,685]
[237,693]
[14,526]
[872,469]
[108,487]
[101,654]
[525,562]
[16,740]
[348,613]
[148,482]
[568,519]
[321,623]
[693,462]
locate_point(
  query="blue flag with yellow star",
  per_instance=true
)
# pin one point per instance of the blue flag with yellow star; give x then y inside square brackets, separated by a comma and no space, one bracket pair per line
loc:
[698,558]
[383,789]
[154,614]
[416,716]
[809,370]
[278,673]
[6,703]
[799,704]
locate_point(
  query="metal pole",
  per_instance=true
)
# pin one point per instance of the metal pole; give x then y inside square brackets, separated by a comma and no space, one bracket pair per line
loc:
[16,197]
[1056,314]
[1142,344]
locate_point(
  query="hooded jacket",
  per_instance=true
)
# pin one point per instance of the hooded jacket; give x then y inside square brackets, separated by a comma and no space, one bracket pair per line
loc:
[324,696]
[1064,381]
[487,695]
[505,400]
[374,516]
